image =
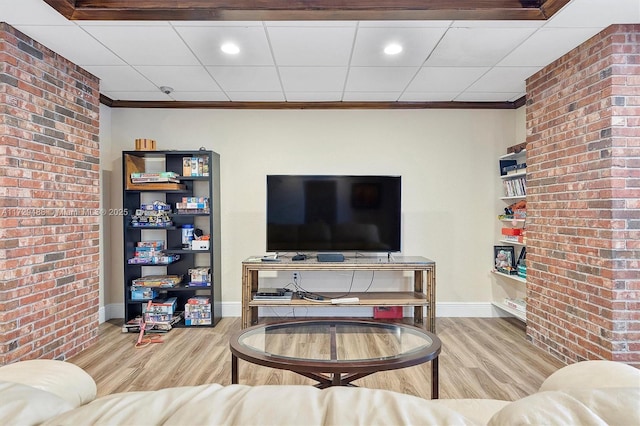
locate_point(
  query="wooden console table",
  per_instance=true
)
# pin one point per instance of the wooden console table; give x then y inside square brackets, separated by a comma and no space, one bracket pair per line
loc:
[422,297]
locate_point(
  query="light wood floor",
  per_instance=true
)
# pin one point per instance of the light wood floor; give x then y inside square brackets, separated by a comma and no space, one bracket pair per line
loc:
[480,358]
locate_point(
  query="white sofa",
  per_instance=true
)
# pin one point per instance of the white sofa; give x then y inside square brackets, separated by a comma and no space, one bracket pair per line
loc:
[59,393]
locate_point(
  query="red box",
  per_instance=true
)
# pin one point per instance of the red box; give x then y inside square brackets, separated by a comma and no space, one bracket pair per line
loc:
[511,231]
[387,312]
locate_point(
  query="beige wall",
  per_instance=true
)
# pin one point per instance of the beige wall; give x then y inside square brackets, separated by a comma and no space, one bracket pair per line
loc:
[447,159]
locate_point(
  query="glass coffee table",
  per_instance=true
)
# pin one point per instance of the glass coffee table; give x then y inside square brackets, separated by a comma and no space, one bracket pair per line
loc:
[336,352]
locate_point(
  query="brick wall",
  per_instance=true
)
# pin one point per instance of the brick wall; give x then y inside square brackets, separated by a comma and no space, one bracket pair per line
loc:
[583,208]
[49,202]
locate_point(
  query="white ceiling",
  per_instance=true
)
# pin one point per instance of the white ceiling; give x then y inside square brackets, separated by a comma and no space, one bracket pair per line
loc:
[316,60]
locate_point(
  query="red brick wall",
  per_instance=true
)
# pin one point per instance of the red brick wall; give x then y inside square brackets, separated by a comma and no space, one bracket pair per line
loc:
[583,208]
[49,202]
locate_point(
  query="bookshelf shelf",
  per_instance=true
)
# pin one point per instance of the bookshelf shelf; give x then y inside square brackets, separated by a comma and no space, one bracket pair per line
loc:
[514,175]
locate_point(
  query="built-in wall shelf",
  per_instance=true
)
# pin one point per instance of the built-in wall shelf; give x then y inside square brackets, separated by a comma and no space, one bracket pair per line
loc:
[512,277]
[522,316]
[515,243]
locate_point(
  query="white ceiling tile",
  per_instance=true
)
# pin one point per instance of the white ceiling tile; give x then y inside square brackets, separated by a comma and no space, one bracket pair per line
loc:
[314,96]
[313,79]
[30,12]
[246,79]
[216,23]
[73,43]
[121,79]
[379,79]
[309,46]
[149,45]
[428,96]
[313,55]
[497,24]
[596,13]
[445,79]
[302,24]
[256,96]
[476,46]
[485,97]
[123,23]
[547,45]
[180,78]
[404,24]
[370,96]
[200,96]
[503,79]
[417,44]
[205,42]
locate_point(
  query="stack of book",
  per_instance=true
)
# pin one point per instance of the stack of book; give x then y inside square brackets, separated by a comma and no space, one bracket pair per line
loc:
[154,177]
[167,281]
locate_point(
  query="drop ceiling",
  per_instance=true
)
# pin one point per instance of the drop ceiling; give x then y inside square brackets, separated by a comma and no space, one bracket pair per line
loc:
[307,62]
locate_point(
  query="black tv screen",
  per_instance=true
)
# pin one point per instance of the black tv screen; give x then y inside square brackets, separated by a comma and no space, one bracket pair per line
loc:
[333,213]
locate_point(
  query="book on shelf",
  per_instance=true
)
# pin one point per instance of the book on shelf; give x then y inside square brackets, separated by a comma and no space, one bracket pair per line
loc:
[515,187]
[518,304]
[159,177]
[154,180]
[154,175]
[158,281]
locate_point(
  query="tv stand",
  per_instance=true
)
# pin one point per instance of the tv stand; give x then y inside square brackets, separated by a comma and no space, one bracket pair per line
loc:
[422,297]
[330,257]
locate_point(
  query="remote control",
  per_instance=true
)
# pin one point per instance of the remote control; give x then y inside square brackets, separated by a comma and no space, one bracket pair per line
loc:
[345,300]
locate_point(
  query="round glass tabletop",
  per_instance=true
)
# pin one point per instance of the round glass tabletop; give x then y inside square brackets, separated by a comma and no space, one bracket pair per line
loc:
[330,342]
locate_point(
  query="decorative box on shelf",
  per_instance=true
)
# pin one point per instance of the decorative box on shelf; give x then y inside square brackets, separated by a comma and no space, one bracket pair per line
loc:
[167,306]
[199,277]
[143,293]
[387,312]
[197,311]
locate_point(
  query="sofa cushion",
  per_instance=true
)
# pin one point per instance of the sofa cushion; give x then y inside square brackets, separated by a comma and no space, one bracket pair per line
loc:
[593,374]
[259,405]
[25,405]
[66,380]
[477,410]
[606,406]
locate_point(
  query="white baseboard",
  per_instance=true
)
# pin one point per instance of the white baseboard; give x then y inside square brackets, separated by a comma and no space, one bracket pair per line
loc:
[234,309]
[466,309]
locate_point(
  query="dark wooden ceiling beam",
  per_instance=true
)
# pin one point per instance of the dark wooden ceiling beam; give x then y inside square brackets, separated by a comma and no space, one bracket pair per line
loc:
[309,105]
[276,10]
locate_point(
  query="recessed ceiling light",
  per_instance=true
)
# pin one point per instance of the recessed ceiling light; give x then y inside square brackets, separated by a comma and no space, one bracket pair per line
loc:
[392,49]
[230,48]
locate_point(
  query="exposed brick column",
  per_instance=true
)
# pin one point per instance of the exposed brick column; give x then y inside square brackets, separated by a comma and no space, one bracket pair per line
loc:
[583,200]
[49,202]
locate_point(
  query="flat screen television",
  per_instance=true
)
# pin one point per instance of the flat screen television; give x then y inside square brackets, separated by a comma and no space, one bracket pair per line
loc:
[307,213]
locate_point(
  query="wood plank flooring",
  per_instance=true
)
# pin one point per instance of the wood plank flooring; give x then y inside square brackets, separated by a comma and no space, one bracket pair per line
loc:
[480,358]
